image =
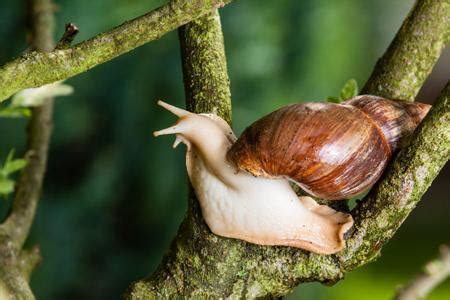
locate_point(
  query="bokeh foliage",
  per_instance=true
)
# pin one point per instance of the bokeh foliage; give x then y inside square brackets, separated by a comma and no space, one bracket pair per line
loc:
[114,196]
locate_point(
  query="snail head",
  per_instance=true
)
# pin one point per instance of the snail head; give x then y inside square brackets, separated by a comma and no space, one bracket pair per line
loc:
[206,131]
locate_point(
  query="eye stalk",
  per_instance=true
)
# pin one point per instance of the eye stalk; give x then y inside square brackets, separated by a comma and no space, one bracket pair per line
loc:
[173,109]
[178,127]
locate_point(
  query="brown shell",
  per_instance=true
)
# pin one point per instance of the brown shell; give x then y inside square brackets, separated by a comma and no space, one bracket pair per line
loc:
[397,119]
[333,151]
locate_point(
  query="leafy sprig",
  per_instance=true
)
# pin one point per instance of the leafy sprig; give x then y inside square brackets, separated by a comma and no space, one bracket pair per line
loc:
[349,90]
[9,167]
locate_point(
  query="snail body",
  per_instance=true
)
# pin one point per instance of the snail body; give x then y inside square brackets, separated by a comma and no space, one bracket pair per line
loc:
[239,205]
[332,151]
[249,206]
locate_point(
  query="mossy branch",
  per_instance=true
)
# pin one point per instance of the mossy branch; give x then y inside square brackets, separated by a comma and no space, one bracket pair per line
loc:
[18,264]
[202,264]
[402,70]
[206,82]
[38,68]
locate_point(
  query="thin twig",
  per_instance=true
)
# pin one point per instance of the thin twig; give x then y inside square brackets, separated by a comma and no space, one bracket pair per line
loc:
[433,274]
[71,30]
[38,68]
[30,182]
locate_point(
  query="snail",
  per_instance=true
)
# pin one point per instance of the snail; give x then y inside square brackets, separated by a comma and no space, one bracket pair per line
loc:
[332,151]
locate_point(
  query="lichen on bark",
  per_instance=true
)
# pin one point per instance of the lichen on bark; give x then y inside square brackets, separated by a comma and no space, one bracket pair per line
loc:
[206,82]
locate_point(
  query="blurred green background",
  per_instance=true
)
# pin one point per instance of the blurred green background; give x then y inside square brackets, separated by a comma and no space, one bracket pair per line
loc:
[114,196]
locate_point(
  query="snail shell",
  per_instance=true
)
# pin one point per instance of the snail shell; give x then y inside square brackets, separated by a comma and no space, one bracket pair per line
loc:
[332,151]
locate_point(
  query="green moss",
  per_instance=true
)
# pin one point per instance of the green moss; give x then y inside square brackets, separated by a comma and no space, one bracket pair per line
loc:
[204,67]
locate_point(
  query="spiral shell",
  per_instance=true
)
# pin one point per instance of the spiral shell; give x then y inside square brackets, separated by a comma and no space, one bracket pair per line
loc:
[332,151]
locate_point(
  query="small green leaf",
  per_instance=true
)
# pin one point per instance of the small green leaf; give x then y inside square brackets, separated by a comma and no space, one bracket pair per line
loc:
[10,166]
[10,156]
[349,90]
[15,112]
[333,99]
[14,166]
[6,186]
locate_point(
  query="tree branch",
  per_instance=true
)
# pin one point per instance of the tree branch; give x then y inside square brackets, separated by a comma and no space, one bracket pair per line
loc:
[13,283]
[18,264]
[434,273]
[29,184]
[29,260]
[206,82]
[402,70]
[39,68]
[202,264]
[71,30]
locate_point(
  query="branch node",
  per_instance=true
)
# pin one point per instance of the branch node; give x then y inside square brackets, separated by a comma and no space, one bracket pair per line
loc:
[71,30]
[29,260]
